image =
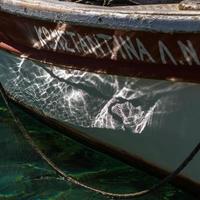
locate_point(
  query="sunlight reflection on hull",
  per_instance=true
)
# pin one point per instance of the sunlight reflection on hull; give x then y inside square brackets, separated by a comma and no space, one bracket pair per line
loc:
[113,109]
[87,99]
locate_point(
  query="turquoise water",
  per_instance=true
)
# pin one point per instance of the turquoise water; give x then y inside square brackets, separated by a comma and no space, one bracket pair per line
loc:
[25,176]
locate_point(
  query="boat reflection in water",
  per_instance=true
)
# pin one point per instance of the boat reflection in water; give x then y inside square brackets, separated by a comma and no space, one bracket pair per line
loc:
[151,121]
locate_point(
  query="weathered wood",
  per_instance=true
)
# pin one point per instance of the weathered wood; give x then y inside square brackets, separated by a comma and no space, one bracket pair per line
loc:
[190,5]
[157,17]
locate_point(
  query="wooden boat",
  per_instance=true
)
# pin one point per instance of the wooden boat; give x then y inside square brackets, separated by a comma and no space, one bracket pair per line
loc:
[124,80]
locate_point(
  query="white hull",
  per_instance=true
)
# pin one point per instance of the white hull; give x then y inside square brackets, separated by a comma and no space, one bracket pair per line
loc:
[154,120]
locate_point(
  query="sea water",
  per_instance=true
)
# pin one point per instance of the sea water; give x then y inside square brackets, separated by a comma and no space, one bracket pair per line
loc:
[25,176]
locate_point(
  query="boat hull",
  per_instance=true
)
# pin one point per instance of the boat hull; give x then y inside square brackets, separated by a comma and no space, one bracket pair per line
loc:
[98,45]
[149,121]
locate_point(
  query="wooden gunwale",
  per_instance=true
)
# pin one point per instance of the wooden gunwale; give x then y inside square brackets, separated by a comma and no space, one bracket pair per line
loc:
[159,18]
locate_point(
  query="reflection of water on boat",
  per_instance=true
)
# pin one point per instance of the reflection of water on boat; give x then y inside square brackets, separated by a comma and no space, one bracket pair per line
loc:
[92,100]
[112,110]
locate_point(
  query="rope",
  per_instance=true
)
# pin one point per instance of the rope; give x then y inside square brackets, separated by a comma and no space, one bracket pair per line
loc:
[80,184]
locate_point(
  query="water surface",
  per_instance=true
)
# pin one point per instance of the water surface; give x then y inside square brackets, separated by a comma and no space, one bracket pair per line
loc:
[25,176]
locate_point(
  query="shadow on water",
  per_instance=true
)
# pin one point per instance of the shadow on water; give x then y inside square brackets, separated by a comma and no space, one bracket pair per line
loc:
[24,176]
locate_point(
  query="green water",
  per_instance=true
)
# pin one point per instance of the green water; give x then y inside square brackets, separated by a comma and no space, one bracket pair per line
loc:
[25,176]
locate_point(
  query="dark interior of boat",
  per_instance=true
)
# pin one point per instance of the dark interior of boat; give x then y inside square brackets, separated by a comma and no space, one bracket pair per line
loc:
[122,2]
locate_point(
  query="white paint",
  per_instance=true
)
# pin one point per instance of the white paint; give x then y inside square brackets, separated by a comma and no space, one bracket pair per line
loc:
[84,46]
[189,52]
[164,51]
[95,46]
[64,43]
[59,35]
[143,52]
[72,37]
[129,48]
[41,43]
[117,48]
[114,47]
[106,39]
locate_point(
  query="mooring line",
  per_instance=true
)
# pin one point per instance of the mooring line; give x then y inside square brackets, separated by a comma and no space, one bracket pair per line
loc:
[72,180]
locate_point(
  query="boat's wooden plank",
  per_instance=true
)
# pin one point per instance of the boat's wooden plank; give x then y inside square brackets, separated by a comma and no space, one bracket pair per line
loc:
[157,18]
[65,6]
